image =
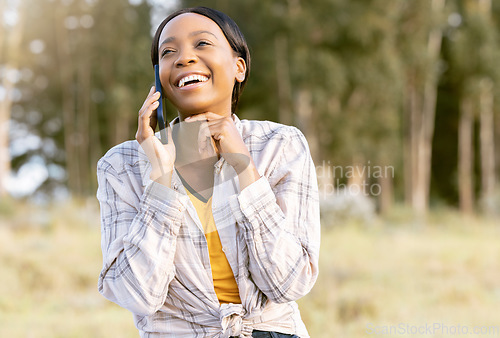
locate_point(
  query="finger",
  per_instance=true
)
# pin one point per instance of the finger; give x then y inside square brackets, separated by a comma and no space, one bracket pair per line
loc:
[147,122]
[204,138]
[152,97]
[205,142]
[147,113]
[194,118]
[150,100]
[212,116]
[145,103]
[207,116]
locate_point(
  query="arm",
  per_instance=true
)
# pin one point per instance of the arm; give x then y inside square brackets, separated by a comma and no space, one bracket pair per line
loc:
[279,216]
[138,239]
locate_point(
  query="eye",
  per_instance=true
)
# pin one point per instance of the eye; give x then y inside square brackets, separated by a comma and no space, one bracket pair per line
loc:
[166,52]
[202,43]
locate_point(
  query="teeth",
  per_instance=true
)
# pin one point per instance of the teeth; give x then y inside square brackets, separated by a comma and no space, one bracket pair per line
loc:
[200,78]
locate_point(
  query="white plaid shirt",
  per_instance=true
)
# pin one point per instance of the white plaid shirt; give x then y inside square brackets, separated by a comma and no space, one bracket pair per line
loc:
[155,257]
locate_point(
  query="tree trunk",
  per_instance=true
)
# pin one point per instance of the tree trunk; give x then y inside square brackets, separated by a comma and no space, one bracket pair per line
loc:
[497,139]
[409,140]
[386,197]
[305,121]
[485,6]
[466,157]
[10,63]
[83,122]
[357,181]
[415,126]
[3,34]
[71,135]
[283,80]
[487,142]
[422,116]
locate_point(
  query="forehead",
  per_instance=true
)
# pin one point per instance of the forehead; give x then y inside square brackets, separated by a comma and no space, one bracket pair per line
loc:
[182,25]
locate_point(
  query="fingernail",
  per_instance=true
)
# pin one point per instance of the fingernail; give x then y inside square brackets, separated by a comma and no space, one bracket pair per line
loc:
[187,118]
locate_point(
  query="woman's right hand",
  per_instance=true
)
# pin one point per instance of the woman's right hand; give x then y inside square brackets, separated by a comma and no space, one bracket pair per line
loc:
[161,156]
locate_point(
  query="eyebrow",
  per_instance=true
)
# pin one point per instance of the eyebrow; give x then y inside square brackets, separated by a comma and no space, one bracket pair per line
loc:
[172,38]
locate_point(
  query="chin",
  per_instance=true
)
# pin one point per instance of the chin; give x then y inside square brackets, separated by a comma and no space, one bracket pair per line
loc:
[188,108]
[186,113]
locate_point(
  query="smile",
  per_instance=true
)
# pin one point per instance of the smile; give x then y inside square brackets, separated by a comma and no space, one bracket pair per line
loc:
[191,80]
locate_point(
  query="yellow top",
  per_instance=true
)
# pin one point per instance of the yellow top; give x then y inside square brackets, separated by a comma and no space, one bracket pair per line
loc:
[224,283]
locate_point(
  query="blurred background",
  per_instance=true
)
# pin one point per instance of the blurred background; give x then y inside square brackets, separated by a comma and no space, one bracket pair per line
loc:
[397,99]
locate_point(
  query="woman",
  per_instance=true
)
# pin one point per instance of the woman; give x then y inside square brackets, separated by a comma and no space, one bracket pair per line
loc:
[216,233]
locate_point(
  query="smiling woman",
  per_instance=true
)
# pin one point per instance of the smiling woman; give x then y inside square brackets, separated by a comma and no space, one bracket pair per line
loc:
[195,40]
[216,233]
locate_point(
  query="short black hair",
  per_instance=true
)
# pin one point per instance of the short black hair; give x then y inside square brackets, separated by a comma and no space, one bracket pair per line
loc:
[231,32]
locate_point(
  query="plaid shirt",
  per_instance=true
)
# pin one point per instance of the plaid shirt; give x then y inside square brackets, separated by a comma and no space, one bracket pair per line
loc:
[155,257]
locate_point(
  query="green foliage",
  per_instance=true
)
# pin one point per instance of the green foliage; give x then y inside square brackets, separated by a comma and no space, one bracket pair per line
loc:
[85,86]
[354,58]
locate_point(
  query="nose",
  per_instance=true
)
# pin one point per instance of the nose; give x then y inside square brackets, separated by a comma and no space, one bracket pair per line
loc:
[185,58]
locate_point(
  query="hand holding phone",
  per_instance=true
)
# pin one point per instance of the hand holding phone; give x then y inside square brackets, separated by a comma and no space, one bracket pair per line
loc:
[160,153]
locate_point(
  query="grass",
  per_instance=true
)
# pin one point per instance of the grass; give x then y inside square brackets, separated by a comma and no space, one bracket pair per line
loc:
[388,275]
[444,273]
[49,262]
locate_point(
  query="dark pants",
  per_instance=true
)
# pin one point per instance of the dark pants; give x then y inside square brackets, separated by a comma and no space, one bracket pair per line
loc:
[266,334]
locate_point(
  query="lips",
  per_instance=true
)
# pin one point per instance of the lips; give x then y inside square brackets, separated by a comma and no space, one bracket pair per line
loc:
[190,79]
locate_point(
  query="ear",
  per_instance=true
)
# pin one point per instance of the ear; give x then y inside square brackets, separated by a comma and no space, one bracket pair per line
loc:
[241,69]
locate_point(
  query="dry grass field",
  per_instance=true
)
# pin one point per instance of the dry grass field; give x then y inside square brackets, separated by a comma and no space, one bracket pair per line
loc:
[388,278]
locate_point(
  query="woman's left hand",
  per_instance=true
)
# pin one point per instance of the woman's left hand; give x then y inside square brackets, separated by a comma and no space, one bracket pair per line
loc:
[228,143]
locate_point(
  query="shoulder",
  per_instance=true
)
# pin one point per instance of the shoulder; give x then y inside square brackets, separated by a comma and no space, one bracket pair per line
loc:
[274,147]
[120,156]
[268,130]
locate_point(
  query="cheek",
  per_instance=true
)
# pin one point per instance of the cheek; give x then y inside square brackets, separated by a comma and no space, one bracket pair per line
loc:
[165,81]
[228,70]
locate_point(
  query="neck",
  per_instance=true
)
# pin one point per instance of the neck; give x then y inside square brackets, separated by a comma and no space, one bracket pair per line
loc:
[221,111]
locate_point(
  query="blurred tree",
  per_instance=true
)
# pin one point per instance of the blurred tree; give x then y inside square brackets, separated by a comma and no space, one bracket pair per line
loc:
[474,51]
[422,25]
[490,54]
[91,72]
[331,69]
[367,124]
[11,34]
[357,77]
[122,71]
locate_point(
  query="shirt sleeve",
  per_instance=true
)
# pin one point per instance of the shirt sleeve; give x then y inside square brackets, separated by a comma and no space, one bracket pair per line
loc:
[138,239]
[280,219]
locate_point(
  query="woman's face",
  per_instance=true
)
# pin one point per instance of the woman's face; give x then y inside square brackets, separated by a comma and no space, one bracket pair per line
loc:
[198,67]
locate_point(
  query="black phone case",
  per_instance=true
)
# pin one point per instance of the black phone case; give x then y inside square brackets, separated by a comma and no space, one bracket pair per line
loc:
[159,110]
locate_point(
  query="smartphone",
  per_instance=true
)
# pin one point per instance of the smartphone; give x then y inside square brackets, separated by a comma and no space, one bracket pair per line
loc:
[159,111]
